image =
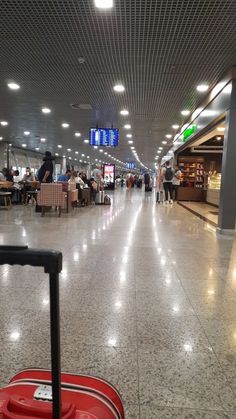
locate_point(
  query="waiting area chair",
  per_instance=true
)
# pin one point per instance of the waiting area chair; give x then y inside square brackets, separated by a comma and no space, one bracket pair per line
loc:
[51,195]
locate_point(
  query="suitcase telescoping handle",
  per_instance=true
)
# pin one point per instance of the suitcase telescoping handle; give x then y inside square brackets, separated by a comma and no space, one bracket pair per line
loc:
[51,261]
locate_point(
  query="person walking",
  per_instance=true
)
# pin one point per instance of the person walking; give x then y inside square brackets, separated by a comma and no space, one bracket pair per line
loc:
[167,175]
[176,182]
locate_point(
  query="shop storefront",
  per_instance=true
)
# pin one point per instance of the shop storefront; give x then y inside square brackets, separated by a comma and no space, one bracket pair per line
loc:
[205,150]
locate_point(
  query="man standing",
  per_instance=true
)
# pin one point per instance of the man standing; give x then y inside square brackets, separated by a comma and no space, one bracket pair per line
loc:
[176,182]
[45,173]
[167,178]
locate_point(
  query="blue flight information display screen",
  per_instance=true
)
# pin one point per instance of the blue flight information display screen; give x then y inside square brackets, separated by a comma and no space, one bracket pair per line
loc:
[107,137]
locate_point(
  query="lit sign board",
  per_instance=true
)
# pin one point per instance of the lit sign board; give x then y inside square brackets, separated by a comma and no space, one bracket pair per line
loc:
[188,132]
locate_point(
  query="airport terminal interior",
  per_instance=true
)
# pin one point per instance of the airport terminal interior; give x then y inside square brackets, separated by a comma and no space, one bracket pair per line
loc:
[117,149]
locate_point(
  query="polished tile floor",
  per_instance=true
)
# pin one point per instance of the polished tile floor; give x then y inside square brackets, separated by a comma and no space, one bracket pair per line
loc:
[148,302]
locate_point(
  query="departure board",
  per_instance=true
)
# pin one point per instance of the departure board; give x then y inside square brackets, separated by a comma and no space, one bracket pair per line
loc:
[106,137]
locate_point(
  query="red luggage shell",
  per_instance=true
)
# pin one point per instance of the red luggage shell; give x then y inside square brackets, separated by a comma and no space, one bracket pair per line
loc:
[44,394]
[83,397]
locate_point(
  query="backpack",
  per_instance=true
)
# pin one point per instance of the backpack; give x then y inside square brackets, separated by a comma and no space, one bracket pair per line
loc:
[169,174]
[107,200]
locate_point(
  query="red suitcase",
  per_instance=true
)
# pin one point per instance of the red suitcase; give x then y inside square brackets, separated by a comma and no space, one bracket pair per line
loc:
[38,393]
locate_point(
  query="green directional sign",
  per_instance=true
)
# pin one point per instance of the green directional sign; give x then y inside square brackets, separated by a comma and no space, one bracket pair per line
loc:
[188,132]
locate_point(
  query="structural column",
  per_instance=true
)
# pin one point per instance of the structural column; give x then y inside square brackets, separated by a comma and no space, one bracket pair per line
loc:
[227,207]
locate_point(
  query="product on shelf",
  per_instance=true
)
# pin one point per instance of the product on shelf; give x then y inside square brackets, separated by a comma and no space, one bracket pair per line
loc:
[192,174]
[214,180]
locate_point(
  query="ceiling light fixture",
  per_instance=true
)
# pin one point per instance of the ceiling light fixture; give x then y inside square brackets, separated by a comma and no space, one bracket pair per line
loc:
[24,145]
[13,86]
[119,88]
[59,146]
[160,148]
[69,149]
[124,112]
[185,112]
[158,151]
[103,4]
[4,123]
[219,138]
[42,140]
[86,141]
[65,125]
[46,110]
[164,142]
[127,126]
[77,134]
[129,135]
[202,88]
[130,141]
[1,138]
[37,149]
[221,129]
[169,136]
[26,133]
[56,154]
[76,152]
[175,126]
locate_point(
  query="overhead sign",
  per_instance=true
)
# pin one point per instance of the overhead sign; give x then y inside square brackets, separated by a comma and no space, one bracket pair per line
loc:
[130,165]
[189,132]
[107,137]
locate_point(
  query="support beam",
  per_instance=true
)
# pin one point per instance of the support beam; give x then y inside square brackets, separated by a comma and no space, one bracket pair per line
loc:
[227,207]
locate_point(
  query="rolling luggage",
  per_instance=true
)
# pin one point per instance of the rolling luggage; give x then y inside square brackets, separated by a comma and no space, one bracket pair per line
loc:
[100,197]
[36,393]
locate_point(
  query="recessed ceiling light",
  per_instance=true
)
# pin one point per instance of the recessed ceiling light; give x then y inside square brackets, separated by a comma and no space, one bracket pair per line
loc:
[103,4]
[185,112]
[77,134]
[46,110]
[42,140]
[1,138]
[219,138]
[175,126]
[65,125]
[127,126]
[202,88]
[64,157]
[119,88]
[96,159]
[221,129]
[37,149]
[130,141]
[164,142]
[159,151]
[24,145]
[70,158]
[13,86]
[82,155]
[56,154]
[26,133]
[129,135]
[101,150]
[86,141]
[169,136]
[4,123]
[160,148]
[124,112]
[59,146]
[76,152]
[88,157]
[95,147]
[132,148]
[69,149]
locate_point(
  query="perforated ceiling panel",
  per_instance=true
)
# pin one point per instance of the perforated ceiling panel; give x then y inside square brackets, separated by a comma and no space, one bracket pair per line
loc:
[159,49]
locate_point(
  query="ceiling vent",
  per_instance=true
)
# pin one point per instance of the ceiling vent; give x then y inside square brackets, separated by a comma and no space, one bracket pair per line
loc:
[84,106]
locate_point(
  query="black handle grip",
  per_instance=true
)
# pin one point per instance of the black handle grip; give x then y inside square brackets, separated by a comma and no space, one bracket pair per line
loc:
[50,260]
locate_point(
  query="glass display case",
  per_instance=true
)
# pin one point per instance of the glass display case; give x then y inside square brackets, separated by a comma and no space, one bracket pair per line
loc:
[214,181]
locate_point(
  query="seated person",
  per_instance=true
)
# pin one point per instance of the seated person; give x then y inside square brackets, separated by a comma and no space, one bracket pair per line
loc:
[29,176]
[79,180]
[65,177]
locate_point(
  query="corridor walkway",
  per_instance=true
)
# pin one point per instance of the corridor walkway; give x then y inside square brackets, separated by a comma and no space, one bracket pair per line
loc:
[148,302]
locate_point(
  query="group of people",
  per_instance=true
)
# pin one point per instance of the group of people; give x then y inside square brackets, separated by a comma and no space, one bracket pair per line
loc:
[167,183]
